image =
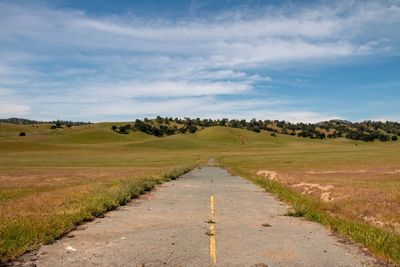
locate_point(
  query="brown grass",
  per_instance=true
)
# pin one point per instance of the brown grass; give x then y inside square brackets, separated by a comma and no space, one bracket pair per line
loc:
[46,176]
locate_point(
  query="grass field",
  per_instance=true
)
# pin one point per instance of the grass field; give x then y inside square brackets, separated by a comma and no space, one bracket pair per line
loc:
[51,180]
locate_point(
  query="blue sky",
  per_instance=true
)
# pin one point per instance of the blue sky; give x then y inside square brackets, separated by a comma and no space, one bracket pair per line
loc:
[103,60]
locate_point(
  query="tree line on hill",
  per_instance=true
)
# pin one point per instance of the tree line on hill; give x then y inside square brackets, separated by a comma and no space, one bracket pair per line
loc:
[158,127]
[57,123]
[364,131]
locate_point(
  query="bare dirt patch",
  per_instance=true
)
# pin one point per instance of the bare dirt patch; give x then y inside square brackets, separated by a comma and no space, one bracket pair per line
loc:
[346,190]
[272,175]
[324,190]
[308,186]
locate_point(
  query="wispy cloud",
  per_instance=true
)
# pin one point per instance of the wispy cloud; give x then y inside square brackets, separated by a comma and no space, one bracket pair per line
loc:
[10,105]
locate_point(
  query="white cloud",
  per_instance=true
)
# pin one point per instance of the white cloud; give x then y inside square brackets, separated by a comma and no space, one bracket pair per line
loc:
[170,89]
[5,92]
[10,105]
[197,106]
[13,110]
[204,107]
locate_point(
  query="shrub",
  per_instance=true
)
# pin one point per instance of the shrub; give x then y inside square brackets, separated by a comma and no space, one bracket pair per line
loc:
[256,129]
[53,127]
[114,128]
[383,138]
[122,130]
[156,131]
[22,134]
[394,138]
[192,129]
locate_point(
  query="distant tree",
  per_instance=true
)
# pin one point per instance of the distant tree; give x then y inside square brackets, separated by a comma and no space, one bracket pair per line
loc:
[163,129]
[159,119]
[256,129]
[383,138]
[249,127]
[192,129]
[319,135]
[122,130]
[223,122]
[183,130]
[114,128]
[305,134]
[171,131]
[206,123]
[234,123]
[69,125]
[22,134]
[156,131]
[58,124]
[143,127]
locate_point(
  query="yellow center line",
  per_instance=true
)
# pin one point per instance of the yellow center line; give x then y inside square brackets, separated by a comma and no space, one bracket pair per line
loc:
[213,248]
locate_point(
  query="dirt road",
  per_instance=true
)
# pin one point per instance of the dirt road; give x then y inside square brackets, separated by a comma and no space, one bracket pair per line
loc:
[205,217]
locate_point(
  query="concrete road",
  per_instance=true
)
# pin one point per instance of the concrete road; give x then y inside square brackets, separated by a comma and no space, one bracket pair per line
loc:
[206,217]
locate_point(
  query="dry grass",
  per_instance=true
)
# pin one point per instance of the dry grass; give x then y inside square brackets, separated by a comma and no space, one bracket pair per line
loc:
[358,182]
[67,174]
[351,187]
[48,187]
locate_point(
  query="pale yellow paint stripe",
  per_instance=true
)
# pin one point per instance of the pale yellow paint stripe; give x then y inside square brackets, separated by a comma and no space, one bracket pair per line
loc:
[212,205]
[213,247]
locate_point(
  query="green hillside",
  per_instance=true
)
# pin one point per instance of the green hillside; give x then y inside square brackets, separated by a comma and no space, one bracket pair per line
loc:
[96,136]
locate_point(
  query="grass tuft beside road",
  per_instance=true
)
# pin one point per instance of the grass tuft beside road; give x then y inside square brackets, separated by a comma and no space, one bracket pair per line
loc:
[381,242]
[24,233]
